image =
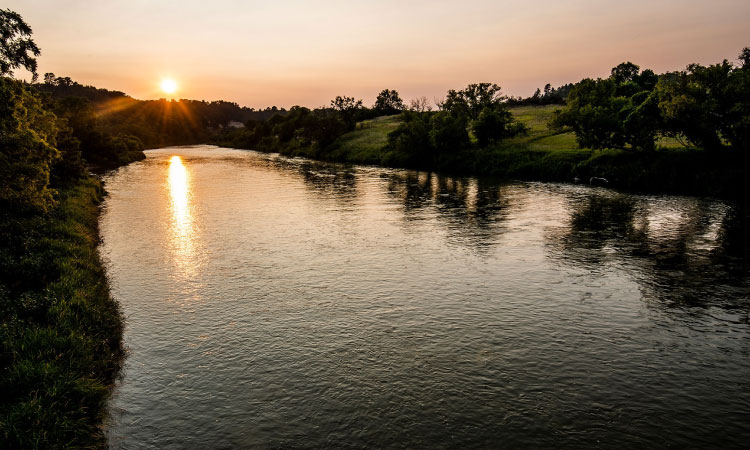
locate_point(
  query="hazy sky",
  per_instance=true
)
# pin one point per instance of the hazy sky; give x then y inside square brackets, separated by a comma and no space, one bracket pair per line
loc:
[285,52]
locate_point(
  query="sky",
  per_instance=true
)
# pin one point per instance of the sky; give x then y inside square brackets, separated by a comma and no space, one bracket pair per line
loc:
[287,52]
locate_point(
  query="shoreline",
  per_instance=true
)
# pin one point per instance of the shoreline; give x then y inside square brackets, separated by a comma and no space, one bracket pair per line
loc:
[62,334]
[543,155]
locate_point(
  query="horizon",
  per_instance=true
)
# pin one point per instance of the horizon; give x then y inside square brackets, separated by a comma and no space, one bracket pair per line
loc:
[289,54]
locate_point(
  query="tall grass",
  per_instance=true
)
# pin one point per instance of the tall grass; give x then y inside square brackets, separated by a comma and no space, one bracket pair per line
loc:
[60,330]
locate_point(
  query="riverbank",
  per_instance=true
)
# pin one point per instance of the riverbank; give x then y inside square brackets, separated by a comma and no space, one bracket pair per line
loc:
[548,155]
[61,331]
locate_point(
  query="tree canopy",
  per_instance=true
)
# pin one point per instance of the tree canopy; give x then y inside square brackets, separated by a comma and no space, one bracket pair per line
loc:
[17,49]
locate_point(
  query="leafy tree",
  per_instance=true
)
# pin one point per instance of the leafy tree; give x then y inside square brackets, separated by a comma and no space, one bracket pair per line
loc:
[593,112]
[495,124]
[348,108]
[17,49]
[624,72]
[27,148]
[473,99]
[448,132]
[388,103]
[412,138]
[695,103]
[745,58]
[616,112]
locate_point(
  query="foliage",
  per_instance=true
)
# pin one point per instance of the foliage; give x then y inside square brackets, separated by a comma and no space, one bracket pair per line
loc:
[550,96]
[388,102]
[27,148]
[17,49]
[413,138]
[471,100]
[60,331]
[708,107]
[448,132]
[494,125]
[348,109]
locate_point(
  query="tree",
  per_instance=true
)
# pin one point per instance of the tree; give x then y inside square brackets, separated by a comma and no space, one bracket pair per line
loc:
[347,107]
[493,125]
[696,103]
[17,49]
[745,58]
[473,99]
[593,112]
[448,132]
[27,148]
[388,102]
[420,104]
[624,72]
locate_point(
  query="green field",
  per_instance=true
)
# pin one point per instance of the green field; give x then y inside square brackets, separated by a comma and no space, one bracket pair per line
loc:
[544,154]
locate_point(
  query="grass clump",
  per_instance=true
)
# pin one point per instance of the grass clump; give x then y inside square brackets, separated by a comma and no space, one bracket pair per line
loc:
[60,330]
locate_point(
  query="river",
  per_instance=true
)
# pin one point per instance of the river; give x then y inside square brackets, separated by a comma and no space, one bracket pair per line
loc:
[286,303]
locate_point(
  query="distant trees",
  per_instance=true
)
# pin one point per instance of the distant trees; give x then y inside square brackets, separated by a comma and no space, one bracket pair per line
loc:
[420,104]
[549,96]
[495,124]
[388,103]
[471,100]
[17,49]
[708,107]
[428,139]
[348,109]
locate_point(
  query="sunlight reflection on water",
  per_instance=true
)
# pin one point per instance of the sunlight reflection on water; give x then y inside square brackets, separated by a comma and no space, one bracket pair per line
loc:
[282,303]
[183,231]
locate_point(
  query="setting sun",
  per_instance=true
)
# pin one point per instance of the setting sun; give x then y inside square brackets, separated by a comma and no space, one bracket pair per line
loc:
[169,86]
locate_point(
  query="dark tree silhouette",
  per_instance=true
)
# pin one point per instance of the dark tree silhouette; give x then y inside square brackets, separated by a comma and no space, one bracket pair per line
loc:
[17,49]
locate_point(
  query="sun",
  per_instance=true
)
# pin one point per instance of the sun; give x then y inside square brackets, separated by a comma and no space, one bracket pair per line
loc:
[169,86]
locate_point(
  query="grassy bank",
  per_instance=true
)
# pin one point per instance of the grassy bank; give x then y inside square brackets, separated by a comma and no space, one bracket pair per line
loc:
[547,155]
[61,332]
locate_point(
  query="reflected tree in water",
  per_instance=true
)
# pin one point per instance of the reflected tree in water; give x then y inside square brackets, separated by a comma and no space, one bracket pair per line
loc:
[682,252]
[471,209]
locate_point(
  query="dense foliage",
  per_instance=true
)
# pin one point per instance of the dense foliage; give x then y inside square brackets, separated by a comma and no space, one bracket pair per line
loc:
[425,138]
[17,49]
[156,123]
[706,107]
[60,331]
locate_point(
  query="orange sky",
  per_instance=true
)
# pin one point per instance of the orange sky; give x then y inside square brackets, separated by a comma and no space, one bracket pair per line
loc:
[284,52]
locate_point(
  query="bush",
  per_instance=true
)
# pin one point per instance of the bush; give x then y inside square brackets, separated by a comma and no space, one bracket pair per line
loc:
[27,148]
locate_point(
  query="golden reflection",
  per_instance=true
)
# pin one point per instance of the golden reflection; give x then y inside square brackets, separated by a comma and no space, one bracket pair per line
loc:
[182,220]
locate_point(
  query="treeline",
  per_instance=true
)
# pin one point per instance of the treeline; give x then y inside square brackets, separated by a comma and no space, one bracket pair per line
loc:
[707,107]
[60,331]
[477,115]
[303,129]
[156,123]
[549,96]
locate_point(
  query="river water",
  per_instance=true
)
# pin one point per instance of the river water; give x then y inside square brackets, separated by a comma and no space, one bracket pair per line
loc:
[286,303]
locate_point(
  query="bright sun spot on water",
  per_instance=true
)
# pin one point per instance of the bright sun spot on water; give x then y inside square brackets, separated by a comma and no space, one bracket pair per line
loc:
[169,86]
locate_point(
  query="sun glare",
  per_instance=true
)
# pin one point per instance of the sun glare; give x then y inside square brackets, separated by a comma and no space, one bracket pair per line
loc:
[169,86]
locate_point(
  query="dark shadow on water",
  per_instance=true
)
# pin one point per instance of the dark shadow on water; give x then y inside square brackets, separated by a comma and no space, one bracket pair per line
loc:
[471,210]
[682,252]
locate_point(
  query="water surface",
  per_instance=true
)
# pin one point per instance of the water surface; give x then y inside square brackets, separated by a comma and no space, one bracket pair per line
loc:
[277,303]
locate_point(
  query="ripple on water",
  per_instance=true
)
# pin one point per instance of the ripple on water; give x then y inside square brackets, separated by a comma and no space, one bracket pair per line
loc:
[275,302]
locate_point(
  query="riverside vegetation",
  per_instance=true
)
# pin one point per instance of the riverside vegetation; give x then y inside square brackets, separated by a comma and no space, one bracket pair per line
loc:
[60,331]
[679,132]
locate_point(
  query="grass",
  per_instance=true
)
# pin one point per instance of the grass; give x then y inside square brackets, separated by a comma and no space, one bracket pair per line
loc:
[548,155]
[60,331]
[366,144]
